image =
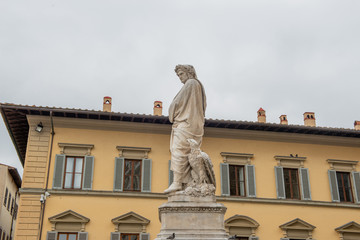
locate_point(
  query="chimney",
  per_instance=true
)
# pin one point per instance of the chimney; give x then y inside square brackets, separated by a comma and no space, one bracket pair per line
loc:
[357,125]
[309,119]
[283,120]
[158,108]
[261,115]
[107,104]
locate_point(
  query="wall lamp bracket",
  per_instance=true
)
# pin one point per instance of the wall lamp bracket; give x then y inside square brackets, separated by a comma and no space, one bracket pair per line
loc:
[39,127]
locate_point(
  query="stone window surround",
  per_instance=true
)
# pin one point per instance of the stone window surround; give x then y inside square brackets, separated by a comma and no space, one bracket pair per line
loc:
[297,221]
[342,165]
[133,152]
[125,219]
[248,223]
[77,218]
[289,161]
[237,158]
[75,149]
[350,227]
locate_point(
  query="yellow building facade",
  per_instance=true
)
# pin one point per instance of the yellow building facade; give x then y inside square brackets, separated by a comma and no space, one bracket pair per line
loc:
[101,175]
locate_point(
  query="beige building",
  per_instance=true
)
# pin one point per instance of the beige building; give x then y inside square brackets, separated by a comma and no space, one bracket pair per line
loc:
[101,175]
[10,182]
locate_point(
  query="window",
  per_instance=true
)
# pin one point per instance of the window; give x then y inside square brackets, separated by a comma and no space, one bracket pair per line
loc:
[237,175]
[15,211]
[297,229]
[73,172]
[67,236]
[241,227]
[12,207]
[9,199]
[0,232]
[74,167]
[132,175]
[130,226]
[291,181]
[341,186]
[68,225]
[3,235]
[132,169]
[6,195]
[128,236]
[349,231]
[237,180]
[343,181]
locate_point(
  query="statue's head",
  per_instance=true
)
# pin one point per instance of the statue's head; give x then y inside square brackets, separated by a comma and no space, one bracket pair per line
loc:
[185,72]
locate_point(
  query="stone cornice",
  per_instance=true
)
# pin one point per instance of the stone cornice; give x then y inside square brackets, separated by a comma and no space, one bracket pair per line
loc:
[209,131]
[34,191]
[281,137]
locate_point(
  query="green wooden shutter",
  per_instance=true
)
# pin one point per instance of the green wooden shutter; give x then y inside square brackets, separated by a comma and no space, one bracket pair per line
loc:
[82,236]
[305,183]
[119,174]
[51,236]
[171,174]
[224,176]
[334,189]
[253,238]
[356,181]
[59,171]
[250,181]
[88,173]
[115,236]
[144,236]
[284,238]
[280,186]
[146,175]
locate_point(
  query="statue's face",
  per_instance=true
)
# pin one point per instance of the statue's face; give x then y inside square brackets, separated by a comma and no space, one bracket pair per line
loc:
[182,75]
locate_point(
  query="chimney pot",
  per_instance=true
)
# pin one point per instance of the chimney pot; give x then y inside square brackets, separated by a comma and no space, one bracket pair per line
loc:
[357,125]
[158,108]
[261,115]
[107,104]
[283,120]
[309,119]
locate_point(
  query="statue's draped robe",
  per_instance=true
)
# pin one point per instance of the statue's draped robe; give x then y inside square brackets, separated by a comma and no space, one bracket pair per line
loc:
[186,112]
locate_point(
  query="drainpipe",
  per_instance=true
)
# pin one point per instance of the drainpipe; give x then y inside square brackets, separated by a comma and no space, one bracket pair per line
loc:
[43,196]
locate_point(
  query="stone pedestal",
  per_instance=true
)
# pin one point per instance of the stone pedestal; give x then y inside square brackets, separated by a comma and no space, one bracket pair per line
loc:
[192,218]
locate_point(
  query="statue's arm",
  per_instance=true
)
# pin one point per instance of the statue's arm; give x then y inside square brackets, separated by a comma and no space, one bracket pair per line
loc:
[172,112]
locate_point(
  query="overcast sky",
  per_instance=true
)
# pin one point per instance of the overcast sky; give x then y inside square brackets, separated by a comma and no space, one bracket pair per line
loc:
[288,57]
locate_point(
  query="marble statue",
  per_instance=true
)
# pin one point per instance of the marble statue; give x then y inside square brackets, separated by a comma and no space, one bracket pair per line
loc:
[191,211]
[187,113]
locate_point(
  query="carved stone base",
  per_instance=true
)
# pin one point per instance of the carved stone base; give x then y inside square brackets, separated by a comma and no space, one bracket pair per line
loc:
[192,218]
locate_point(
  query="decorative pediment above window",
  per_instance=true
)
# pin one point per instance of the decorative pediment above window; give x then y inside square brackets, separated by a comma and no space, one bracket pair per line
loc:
[133,152]
[241,225]
[297,228]
[290,161]
[237,158]
[76,149]
[68,221]
[349,231]
[131,223]
[342,165]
